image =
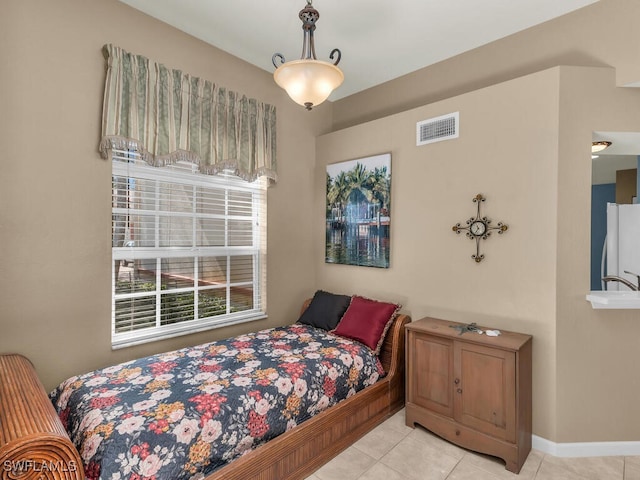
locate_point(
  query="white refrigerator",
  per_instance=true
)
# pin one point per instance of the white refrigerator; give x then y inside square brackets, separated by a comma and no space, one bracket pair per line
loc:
[622,249]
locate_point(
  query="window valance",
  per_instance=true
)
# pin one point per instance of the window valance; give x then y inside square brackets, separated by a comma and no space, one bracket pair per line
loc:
[166,115]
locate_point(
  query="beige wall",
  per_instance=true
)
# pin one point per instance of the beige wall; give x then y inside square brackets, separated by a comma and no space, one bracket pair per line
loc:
[432,272]
[55,304]
[524,144]
[597,349]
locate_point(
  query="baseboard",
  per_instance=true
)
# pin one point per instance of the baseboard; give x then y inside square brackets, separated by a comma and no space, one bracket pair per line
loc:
[585,449]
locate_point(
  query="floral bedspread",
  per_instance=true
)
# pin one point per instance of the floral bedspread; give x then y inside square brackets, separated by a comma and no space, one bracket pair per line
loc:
[186,413]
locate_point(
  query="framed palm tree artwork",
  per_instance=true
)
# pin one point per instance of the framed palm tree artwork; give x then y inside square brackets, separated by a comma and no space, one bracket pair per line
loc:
[358,212]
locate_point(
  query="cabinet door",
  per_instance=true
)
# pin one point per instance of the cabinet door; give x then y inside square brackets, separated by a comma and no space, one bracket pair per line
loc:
[485,396]
[430,369]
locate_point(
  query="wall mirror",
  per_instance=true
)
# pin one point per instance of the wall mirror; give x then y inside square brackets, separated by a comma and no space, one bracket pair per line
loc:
[615,211]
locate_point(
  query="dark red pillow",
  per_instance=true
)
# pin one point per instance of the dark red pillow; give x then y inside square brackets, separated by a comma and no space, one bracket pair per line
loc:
[367,321]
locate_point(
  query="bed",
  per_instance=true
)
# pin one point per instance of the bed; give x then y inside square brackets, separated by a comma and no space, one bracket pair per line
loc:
[35,444]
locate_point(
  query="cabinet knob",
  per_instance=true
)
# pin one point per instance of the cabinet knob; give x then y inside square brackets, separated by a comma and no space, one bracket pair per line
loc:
[458,432]
[456,381]
[459,390]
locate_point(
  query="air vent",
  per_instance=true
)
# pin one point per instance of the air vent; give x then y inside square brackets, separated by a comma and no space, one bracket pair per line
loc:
[436,129]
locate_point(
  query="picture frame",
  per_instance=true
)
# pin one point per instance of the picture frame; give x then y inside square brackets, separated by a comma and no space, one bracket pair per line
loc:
[358,212]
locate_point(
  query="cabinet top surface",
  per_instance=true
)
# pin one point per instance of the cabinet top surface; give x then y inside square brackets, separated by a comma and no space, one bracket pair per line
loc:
[445,328]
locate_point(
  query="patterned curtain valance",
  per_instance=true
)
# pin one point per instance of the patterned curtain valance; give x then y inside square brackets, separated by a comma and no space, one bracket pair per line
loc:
[166,116]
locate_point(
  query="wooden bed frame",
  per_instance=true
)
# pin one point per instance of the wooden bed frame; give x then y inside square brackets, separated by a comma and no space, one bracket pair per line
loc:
[35,445]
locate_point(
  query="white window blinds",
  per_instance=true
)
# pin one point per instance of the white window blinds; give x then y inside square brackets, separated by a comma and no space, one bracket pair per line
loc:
[188,250]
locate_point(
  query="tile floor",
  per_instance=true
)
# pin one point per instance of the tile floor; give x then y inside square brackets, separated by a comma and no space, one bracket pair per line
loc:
[394,451]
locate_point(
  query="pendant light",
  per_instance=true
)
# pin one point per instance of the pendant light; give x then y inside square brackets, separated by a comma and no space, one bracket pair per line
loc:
[599,146]
[308,81]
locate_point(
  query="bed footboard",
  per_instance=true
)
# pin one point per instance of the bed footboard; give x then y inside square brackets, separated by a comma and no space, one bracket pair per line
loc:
[33,441]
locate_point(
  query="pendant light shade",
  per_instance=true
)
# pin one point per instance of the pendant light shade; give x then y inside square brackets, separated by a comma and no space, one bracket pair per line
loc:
[308,81]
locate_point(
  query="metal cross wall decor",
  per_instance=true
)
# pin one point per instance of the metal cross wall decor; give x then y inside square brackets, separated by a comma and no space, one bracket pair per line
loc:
[479,228]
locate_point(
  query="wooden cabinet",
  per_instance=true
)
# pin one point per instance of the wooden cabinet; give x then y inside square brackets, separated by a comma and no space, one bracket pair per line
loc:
[471,389]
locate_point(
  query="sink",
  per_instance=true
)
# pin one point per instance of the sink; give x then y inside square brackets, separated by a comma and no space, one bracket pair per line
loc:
[614,299]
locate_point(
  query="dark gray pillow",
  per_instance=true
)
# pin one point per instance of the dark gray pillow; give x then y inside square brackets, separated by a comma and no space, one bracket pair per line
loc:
[325,310]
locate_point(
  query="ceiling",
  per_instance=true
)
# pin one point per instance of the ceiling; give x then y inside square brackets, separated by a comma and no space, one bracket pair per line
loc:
[622,143]
[379,40]
[621,155]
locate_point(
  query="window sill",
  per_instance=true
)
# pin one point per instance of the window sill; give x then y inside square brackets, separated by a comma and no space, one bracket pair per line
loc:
[127,340]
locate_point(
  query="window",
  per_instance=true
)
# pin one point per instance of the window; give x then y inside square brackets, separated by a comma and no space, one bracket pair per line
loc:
[188,250]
